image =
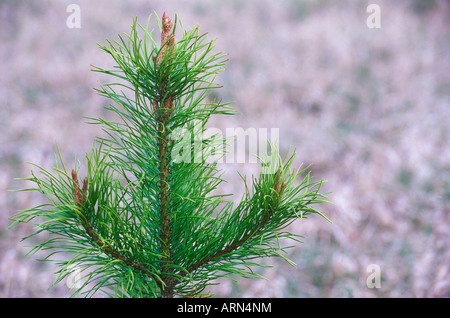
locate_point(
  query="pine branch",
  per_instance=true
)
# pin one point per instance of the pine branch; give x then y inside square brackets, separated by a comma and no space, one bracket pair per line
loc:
[276,198]
[79,201]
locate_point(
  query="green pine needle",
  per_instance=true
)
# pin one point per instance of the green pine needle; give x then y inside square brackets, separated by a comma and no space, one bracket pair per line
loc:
[144,224]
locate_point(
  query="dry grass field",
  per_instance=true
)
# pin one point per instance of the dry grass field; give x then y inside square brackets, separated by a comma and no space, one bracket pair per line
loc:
[368,108]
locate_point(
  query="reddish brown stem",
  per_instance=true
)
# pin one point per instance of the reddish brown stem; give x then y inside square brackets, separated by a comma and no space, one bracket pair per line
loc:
[163,109]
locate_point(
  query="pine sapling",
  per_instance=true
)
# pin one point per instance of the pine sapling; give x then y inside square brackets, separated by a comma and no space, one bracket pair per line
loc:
[146,220]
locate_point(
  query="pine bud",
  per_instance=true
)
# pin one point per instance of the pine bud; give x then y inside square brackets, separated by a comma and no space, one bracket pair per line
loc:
[79,197]
[166,37]
[279,188]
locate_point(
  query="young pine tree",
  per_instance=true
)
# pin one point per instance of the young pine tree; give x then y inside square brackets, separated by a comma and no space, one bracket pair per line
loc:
[145,220]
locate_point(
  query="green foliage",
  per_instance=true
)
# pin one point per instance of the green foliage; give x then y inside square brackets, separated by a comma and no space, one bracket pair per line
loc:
[142,224]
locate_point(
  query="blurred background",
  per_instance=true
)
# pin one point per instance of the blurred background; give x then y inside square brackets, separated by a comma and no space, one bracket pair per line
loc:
[369,108]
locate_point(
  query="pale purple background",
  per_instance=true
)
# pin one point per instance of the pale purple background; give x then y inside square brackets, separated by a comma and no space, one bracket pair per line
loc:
[368,108]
